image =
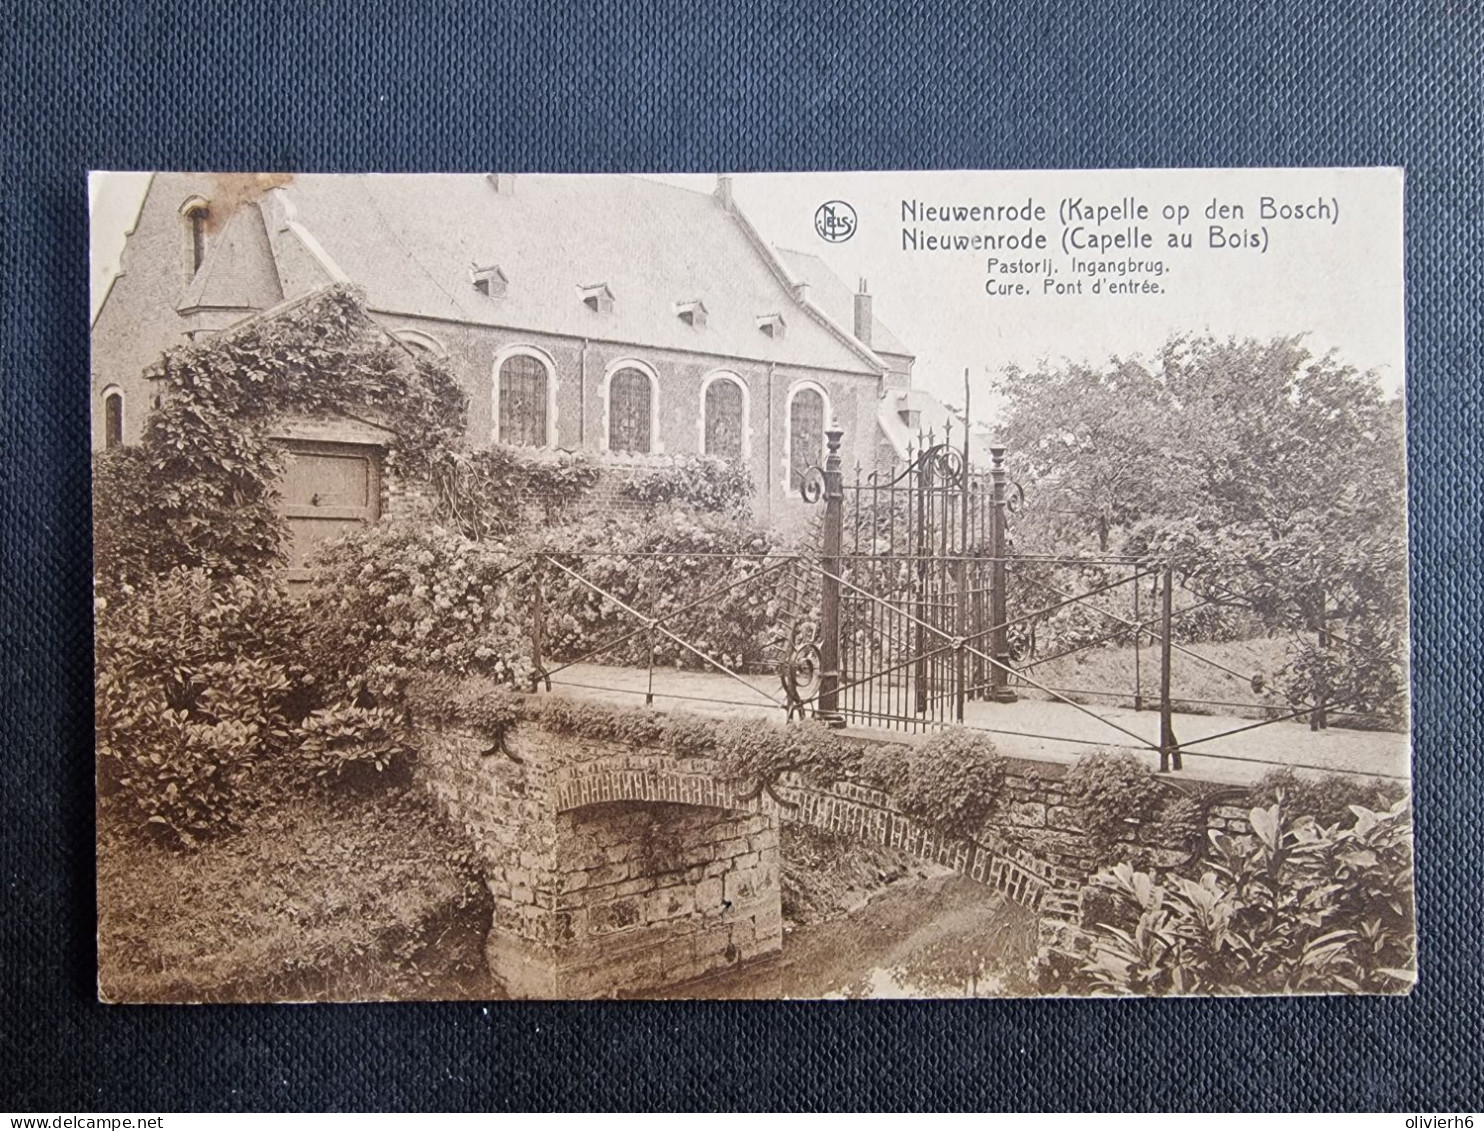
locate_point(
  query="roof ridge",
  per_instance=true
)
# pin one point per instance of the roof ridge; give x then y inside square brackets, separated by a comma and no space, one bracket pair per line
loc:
[780,269]
[119,268]
[647,178]
[303,299]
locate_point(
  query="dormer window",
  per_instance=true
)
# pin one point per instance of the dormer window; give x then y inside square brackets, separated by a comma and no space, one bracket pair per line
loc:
[489,281]
[692,313]
[598,298]
[772,325]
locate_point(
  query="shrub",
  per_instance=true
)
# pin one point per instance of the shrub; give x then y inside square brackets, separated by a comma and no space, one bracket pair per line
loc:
[193,687]
[351,744]
[1293,908]
[951,780]
[699,482]
[760,755]
[1326,797]
[401,598]
[1366,683]
[691,570]
[1181,823]
[485,493]
[1113,793]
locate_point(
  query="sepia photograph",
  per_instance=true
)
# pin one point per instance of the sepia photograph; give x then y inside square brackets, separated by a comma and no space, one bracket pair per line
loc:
[761,586]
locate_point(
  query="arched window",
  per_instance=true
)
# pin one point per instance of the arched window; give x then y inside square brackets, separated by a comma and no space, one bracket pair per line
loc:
[725,417]
[195,212]
[806,415]
[630,411]
[523,388]
[113,418]
[418,342]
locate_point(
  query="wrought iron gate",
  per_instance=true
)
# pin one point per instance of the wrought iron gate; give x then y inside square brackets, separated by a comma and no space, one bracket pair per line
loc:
[912,564]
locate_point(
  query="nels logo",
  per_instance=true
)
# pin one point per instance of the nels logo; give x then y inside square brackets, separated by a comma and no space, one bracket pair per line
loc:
[834,221]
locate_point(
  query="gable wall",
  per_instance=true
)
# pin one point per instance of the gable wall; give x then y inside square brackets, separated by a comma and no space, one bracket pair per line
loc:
[138,321]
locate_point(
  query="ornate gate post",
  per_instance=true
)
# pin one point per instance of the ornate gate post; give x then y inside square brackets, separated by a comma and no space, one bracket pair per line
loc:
[999,637]
[829,614]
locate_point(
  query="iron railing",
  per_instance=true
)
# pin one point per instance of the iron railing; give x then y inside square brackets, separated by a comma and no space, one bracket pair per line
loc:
[909,611]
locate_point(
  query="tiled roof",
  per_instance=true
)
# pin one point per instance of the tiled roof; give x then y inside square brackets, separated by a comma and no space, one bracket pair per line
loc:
[837,300]
[415,242]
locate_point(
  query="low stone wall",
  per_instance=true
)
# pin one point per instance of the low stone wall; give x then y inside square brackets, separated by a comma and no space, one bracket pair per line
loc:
[616,870]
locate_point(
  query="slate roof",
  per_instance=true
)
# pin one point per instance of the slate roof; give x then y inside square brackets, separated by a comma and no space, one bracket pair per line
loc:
[239,273]
[933,416]
[413,241]
[837,300]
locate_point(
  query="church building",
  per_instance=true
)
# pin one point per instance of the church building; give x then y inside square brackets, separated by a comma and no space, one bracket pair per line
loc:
[610,314]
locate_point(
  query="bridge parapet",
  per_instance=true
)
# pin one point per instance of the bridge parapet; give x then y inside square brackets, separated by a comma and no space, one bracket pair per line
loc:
[870,815]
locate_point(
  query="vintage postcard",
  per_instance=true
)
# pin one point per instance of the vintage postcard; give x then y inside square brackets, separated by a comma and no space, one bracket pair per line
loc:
[823,585]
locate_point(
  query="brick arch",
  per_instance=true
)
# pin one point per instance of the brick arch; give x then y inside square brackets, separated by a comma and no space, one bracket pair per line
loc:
[689,781]
[846,808]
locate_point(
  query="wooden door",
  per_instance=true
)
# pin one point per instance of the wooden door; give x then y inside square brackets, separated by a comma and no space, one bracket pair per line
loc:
[327,489]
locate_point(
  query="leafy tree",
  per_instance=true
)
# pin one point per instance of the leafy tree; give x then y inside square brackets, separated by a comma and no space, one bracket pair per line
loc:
[1273,480]
[1093,442]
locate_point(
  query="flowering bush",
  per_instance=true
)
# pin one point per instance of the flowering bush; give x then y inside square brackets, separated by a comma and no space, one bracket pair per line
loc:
[692,572]
[403,598]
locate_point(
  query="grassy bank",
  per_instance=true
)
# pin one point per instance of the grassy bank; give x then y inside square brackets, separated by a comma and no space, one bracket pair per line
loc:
[825,876]
[1109,676]
[326,897]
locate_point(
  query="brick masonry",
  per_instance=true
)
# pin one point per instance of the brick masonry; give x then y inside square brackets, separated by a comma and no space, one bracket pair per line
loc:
[611,871]
[619,871]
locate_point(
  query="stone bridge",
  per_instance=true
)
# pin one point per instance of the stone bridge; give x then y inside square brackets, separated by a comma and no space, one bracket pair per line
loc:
[623,871]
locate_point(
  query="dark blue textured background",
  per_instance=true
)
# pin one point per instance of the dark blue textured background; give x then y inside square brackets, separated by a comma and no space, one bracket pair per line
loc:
[374,84]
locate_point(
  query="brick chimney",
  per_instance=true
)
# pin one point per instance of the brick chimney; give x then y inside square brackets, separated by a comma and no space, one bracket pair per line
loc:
[863,314]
